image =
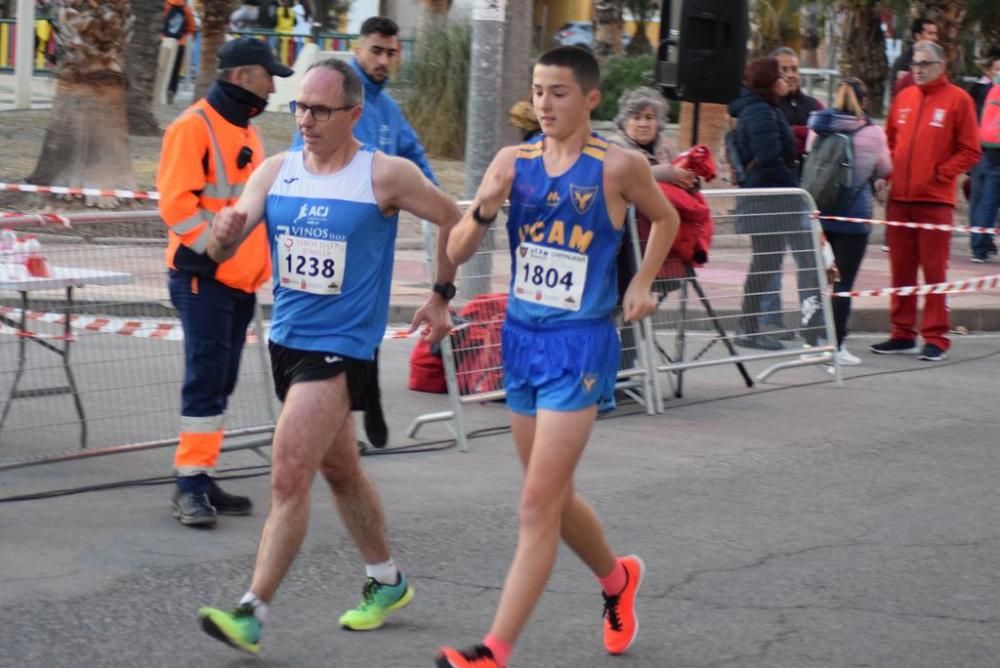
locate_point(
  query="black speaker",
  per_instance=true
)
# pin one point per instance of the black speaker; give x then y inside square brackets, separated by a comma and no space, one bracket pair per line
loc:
[712,50]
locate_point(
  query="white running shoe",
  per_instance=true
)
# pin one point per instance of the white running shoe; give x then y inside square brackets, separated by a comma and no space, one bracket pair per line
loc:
[845,358]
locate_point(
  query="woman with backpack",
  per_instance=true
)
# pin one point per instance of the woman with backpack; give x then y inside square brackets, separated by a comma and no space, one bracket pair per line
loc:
[763,156]
[871,161]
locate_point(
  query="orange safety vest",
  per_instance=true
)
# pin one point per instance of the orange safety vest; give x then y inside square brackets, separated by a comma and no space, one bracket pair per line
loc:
[197,176]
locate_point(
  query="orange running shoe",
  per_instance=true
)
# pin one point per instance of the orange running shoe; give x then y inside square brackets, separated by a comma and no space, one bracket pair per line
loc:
[479,656]
[620,621]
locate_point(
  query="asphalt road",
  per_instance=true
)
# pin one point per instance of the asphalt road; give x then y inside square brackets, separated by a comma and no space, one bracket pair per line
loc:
[793,525]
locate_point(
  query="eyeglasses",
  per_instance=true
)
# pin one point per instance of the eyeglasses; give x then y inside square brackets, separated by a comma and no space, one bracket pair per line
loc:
[923,64]
[319,112]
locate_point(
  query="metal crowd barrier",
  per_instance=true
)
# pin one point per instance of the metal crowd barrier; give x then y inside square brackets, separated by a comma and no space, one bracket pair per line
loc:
[93,353]
[762,295]
[471,355]
[100,342]
[742,306]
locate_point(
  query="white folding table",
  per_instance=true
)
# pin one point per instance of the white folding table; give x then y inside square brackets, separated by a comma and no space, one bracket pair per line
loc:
[61,278]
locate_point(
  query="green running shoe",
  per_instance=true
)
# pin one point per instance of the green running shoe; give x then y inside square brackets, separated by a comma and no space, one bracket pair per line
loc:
[377,601]
[239,628]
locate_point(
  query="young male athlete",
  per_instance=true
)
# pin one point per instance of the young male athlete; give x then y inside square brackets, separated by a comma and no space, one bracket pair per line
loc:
[331,212]
[568,195]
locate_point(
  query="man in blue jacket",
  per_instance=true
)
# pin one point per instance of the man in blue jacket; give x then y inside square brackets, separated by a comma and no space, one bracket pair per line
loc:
[383,126]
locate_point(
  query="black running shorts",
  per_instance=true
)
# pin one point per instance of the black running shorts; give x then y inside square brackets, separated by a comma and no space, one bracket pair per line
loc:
[290,366]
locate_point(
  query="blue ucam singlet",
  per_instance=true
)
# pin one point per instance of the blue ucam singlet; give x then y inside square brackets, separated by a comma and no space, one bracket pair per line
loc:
[332,251]
[563,245]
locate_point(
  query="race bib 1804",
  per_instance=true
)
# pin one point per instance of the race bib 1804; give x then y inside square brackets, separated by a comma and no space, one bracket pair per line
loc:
[550,276]
[311,265]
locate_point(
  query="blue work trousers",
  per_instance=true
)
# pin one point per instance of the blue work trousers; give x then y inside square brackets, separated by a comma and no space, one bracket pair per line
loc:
[215,318]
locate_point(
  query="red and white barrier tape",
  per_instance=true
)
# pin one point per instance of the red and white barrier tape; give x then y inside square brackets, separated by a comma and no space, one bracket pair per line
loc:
[162,330]
[948,288]
[914,226]
[42,218]
[88,192]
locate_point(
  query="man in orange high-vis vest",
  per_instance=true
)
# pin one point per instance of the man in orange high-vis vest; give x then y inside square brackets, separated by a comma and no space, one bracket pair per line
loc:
[209,152]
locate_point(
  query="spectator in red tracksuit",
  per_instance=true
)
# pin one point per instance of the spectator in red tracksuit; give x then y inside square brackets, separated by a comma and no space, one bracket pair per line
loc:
[933,136]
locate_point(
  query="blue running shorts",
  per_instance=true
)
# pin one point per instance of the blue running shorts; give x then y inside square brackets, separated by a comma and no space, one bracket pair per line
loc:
[564,366]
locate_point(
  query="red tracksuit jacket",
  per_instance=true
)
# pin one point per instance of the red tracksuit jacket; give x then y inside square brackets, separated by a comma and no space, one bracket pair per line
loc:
[934,138]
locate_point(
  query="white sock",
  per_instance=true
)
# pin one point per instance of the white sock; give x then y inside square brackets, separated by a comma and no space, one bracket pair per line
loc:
[386,572]
[259,607]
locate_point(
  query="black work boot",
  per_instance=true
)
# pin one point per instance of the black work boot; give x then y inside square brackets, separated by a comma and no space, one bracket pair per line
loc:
[227,504]
[193,509]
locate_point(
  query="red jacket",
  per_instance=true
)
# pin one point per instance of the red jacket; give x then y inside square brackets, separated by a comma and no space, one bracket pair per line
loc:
[933,135]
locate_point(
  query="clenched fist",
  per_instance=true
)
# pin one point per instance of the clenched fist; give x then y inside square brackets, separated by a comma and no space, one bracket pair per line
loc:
[228,226]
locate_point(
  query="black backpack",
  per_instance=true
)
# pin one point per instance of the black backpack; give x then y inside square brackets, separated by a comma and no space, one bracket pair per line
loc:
[174,22]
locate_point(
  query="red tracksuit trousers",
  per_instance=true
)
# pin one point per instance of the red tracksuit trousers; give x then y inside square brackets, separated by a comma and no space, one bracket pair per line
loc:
[909,251]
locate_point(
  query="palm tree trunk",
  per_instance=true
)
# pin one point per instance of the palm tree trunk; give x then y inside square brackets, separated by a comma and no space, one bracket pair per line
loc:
[608,27]
[143,50]
[862,49]
[214,18]
[87,143]
[949,15]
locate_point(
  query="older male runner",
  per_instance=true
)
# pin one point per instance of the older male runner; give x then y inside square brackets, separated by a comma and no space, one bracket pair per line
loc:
[331,212]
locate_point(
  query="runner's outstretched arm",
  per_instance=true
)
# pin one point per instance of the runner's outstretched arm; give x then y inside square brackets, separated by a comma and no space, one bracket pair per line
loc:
[399,184]
[492,193]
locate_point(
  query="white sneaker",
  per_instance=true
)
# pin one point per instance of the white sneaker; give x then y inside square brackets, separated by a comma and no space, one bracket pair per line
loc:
[845,358]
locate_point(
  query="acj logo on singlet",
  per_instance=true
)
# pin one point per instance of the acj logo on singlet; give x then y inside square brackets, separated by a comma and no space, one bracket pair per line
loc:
[555,235]
[310,223]
[312,213]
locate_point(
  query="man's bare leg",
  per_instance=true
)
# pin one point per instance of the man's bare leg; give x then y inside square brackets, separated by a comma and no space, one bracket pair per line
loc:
[355,496]
[313,410]
[559,440]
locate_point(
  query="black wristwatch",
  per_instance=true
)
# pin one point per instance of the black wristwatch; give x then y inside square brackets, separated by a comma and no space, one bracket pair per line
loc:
[478,217]
[446,290]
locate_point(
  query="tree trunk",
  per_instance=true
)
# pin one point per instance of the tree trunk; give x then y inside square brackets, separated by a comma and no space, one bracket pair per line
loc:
[949,15]
[862,49]
[143,49]
[516,65]
[87,143]
[639,44]
[608,27]
[214,19]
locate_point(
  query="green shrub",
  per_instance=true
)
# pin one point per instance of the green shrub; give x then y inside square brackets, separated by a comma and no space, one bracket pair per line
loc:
[438,76]
[621,74]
